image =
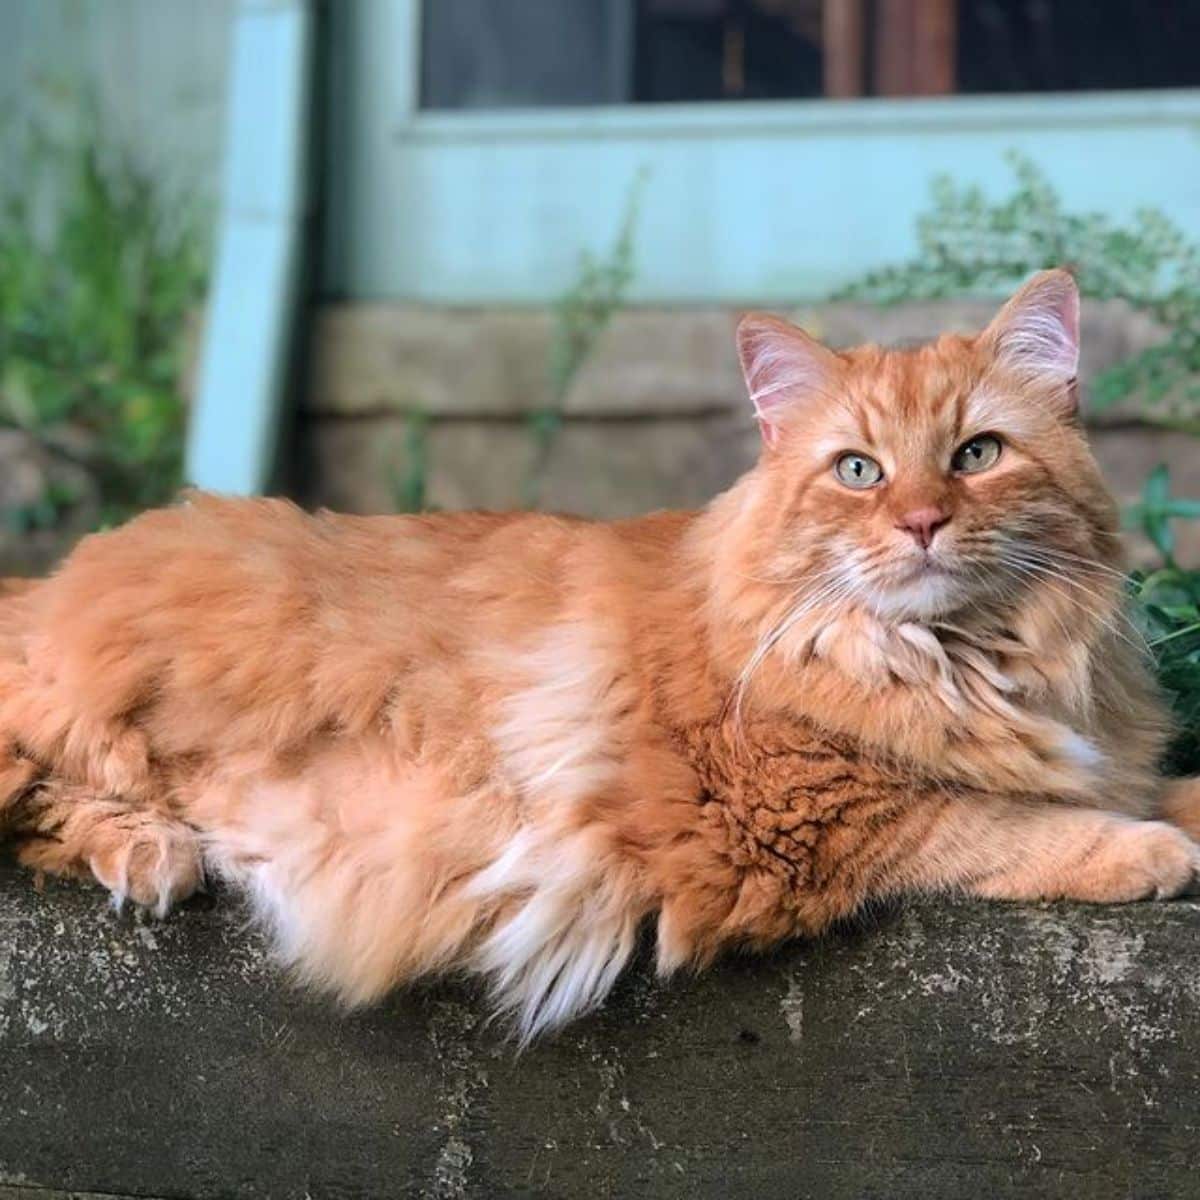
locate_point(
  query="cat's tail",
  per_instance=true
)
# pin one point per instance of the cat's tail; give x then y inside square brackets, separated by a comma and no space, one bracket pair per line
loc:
[18,773]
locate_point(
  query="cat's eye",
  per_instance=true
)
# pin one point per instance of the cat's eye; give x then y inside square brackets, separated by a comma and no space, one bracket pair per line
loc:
[858,471]
[976,455]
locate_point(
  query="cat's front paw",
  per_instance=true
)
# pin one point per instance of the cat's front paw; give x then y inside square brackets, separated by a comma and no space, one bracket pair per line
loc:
[1139,860]
[156,867]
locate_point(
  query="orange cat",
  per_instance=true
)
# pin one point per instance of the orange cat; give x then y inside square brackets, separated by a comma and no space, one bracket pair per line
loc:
[890,658]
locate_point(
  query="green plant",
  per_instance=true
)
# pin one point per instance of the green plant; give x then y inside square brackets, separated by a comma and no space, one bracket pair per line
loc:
[1166,610]
[968,245]
[1157,511]
[99,276]
[581,315]
[409,480]
[44,513]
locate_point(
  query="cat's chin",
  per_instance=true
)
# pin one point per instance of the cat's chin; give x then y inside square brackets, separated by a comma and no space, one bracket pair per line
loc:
[926,595]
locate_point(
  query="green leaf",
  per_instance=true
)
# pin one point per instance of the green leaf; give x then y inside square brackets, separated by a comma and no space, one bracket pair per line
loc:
[1157,487]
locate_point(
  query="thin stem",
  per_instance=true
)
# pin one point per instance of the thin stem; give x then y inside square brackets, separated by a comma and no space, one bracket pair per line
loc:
[1178,633]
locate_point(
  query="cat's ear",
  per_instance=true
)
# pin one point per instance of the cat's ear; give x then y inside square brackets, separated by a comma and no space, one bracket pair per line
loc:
[1036,334]
[782,366]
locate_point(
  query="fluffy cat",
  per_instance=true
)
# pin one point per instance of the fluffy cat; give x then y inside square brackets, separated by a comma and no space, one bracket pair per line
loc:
[891,658]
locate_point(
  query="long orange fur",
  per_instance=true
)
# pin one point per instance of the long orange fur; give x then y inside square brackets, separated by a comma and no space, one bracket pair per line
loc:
[505,743]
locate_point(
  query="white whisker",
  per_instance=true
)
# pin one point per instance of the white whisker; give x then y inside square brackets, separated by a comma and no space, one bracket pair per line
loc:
[1033,568]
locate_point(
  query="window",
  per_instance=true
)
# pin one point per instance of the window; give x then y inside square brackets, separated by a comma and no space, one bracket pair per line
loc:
[523,53]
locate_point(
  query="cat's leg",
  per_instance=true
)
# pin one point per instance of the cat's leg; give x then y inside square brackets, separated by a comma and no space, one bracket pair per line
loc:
[137,853]
[1012,850]
[1180,804]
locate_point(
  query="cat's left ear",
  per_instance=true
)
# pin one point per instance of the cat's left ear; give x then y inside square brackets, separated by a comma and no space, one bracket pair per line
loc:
[782,367]
[1036,334]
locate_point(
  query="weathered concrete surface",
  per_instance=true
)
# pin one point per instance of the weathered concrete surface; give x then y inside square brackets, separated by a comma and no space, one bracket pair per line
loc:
[948,1050]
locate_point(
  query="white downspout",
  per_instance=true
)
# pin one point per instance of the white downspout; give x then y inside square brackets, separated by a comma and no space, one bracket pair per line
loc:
[254,298]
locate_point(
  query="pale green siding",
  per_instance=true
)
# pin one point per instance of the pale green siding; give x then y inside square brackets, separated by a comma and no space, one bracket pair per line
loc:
[154,70]
[745,202]
[757,202]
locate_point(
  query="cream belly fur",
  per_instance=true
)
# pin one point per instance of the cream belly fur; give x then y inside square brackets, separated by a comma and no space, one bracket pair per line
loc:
[343,862]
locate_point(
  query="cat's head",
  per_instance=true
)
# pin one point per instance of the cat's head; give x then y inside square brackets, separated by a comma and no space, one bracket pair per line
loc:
[916,482]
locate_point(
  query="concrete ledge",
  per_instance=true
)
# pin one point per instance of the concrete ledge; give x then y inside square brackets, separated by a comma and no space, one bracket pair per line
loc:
[950,1050]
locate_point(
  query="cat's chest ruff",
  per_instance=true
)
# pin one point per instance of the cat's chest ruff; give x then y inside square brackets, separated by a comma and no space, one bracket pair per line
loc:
[977,709]
[951,670]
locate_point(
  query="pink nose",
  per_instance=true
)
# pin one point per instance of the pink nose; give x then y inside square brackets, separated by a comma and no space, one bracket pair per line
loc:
[923,523]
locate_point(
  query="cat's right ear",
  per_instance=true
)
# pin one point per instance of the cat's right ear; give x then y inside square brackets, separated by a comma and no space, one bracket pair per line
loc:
[1036,335]
[782,367]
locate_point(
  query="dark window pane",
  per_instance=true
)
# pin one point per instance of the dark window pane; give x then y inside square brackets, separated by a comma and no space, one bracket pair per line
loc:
[728,49]
[515,53]
[1077,45]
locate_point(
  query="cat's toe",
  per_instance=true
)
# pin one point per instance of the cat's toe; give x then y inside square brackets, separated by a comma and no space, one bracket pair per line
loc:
[156,868]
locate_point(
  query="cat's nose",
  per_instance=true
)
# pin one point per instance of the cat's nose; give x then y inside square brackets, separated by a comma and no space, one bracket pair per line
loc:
[923,523]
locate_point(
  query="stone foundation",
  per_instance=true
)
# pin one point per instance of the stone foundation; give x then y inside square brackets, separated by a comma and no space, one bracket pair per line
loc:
[656,418]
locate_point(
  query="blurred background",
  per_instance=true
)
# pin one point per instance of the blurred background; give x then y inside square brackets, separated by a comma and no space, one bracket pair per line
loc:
[393,255]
